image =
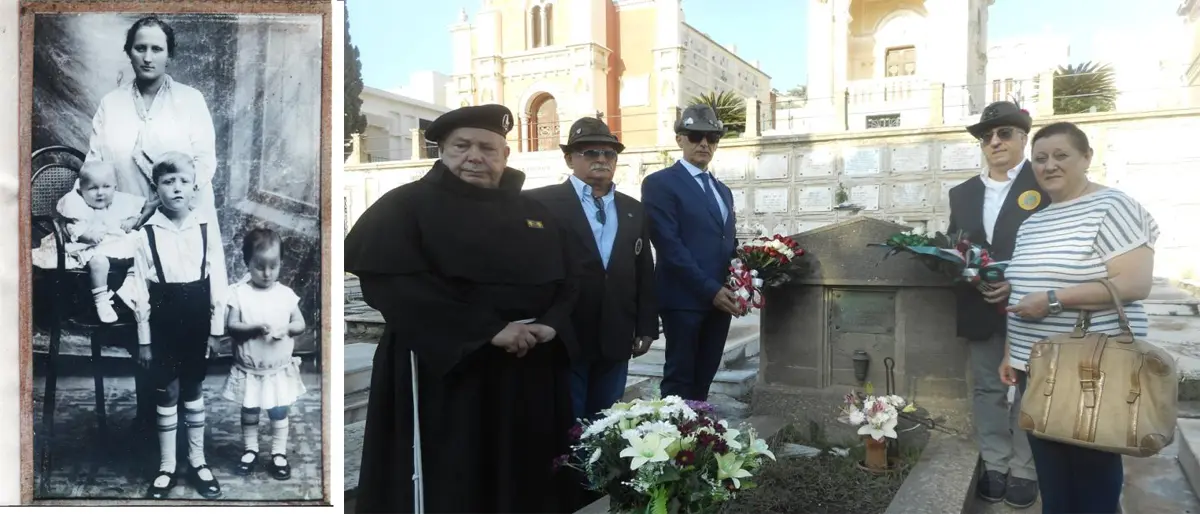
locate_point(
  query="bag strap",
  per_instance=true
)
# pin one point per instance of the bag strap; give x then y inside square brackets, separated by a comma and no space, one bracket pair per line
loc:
[1084,321]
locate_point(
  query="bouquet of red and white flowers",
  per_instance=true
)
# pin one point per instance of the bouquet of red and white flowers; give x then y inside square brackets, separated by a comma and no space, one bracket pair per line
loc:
[763,262]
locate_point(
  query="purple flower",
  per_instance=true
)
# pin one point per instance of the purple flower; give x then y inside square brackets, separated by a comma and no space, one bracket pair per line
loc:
[699,406]
[559,462]
[575,432]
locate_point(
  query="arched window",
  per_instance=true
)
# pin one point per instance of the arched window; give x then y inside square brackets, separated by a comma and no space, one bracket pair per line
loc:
[541,24]
[535,26]
[543,124]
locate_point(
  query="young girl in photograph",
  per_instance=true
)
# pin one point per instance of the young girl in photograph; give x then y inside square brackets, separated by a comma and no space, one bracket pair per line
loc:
[263,317]
[99,220]
[180,310]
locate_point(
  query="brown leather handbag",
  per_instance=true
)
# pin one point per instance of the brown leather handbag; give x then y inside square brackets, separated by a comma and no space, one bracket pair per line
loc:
[1108,393]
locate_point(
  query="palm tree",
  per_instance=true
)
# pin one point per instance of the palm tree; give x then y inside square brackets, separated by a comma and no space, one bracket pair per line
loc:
[1087,87]
[730,109]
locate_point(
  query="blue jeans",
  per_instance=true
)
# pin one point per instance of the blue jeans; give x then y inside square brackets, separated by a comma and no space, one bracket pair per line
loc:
[1073,479]
[596,385]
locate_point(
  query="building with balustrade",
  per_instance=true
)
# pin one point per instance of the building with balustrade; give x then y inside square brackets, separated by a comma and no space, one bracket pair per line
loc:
[394,122]
[901,63]
[634,63]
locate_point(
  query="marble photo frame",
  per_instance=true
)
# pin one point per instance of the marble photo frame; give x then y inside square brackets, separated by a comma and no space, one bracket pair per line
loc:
[263,68]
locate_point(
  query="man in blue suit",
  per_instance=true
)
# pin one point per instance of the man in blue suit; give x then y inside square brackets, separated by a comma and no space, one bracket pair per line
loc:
[692,227]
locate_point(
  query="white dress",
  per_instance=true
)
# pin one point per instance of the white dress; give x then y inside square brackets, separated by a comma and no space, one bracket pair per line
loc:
[265,374]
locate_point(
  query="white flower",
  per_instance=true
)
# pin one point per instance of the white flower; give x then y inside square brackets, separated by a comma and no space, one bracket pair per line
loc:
[886,429]
[599,426]
[857,417]
[759,447]
[595,457]
[651,448]
[661,428]
[730,437]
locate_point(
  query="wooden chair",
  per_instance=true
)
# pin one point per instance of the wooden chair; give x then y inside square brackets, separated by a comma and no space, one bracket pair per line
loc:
[62,298]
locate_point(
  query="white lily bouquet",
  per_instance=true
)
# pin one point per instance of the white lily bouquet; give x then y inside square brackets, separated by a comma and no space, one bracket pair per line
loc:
[667,456]
[876,418]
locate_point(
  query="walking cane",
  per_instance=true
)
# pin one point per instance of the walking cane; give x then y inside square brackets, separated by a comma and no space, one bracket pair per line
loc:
[418,484]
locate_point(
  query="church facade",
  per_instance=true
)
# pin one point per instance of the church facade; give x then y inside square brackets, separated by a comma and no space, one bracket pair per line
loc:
[633,63]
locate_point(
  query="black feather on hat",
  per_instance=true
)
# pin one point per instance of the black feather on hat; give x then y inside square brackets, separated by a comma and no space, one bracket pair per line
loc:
[1001,114]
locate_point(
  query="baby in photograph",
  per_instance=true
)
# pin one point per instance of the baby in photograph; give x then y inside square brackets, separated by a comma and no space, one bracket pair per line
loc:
[99,229]
[263,317]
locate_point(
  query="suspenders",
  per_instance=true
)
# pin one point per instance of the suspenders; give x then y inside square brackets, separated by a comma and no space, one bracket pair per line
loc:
[158,262]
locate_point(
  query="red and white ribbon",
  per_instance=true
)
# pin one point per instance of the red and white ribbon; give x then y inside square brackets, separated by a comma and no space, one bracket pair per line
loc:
[746,285]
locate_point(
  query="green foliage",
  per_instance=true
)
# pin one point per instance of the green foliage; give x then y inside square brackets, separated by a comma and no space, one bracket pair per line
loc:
[355,120]
[730,109]
[1080,88]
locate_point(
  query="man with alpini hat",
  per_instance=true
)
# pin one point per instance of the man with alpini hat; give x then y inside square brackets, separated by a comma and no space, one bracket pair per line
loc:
[988,209]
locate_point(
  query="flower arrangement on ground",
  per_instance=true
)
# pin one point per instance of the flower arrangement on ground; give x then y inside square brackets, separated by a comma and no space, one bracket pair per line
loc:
[760,263]
[666,456]
[876,418]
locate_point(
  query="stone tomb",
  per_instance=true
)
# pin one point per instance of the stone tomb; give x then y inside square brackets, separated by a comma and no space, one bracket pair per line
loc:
[851,300]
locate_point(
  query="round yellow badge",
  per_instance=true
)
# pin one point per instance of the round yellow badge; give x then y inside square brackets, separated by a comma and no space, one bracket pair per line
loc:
[1029,200]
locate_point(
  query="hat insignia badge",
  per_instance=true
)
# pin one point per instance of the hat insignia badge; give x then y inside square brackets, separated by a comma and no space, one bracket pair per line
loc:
[688,121]
[506,122]
[579,130]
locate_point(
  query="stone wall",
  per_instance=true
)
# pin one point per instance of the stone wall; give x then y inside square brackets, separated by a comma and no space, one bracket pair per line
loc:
[789,184]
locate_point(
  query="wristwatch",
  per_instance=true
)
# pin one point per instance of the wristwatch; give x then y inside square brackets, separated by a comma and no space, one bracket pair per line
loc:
[1055,306]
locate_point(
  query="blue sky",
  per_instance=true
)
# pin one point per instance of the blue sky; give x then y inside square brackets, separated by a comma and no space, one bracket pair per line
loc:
[398,37]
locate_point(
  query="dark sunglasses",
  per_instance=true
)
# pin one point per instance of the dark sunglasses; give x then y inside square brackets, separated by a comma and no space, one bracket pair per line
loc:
[1005,134]
[711,137]
[596,154]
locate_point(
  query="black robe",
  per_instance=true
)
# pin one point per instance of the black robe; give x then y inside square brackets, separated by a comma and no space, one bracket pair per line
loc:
[449,264]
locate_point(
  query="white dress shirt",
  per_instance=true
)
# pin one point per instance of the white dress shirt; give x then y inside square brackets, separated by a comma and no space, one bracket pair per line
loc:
[180,250]
[994,194]
[696,172]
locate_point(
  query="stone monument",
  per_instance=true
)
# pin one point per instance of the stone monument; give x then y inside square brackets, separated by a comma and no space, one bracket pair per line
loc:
[830,331]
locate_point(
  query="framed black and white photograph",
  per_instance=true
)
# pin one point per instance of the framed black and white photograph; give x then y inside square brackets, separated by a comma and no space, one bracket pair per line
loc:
[175,168]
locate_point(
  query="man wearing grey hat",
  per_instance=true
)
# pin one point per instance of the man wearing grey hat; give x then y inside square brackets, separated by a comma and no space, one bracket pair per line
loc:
[692,227]
[615,317]
[988,209]
[473,282]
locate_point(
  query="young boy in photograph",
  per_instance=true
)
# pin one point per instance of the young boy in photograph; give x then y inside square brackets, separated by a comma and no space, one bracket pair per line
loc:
[181,289]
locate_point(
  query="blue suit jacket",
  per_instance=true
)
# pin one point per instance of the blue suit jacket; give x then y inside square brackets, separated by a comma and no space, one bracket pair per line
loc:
[692,245]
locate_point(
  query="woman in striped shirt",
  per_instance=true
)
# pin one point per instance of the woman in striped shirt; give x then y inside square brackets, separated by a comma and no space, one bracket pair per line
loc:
[1089,232]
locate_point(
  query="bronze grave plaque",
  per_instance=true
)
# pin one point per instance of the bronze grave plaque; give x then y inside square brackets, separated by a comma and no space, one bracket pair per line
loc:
[859,311]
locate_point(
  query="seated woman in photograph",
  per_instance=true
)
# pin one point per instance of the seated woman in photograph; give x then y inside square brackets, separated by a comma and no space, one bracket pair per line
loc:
[263,317]
[99,221]
[1088,233]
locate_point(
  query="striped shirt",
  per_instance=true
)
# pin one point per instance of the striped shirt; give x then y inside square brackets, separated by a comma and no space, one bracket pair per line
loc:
[1068,244]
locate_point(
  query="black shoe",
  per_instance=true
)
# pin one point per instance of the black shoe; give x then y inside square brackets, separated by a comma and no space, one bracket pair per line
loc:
[283,472]
[246,468]
[1021,492]
[991,486]
[209,489]
[160,493]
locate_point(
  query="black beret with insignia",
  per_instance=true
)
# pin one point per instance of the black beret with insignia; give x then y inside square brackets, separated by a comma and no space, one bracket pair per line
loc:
[493,117]
[591,130]
[1001,114]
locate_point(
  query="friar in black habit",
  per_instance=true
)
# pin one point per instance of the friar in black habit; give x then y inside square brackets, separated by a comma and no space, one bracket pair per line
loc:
[473,279]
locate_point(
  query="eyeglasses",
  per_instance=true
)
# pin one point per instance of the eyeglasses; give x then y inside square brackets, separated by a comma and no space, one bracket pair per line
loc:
[711,137]
[1005,134]
[597,154]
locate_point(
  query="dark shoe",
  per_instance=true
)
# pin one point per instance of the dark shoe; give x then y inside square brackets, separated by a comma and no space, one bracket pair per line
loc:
[246,468]
[209,489]
[1021,492]
[991,486]
[283,472]
[160,493]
